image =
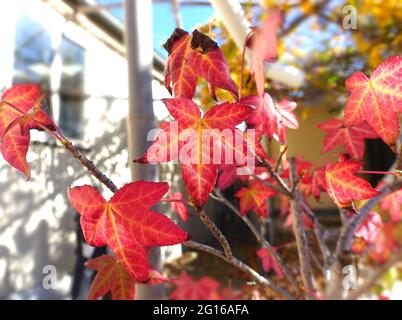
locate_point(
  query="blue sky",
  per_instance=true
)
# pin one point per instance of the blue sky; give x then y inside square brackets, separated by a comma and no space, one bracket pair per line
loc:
[191,16]
[163,21]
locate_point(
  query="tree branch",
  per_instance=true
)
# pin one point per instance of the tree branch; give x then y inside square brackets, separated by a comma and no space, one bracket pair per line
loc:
[239,265]
[219,197]
[216,232]
[90,166]
[300,234]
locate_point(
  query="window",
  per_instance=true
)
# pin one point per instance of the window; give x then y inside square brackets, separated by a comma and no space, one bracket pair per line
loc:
[38,50]
[71,88]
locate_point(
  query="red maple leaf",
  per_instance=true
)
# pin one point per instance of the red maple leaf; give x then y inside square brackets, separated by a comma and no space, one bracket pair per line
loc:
[197,155]
[343,186]
[377,99]
[254,198]
[227,176]
[307,221]
[264,47]
[112,277]
[125,223]
[369,228]
[385,243]
[179,207]
[194,56]
[393,203]
[318,183]
[204,288]
[20,111]
[269,262]
[271,118]
[350,137]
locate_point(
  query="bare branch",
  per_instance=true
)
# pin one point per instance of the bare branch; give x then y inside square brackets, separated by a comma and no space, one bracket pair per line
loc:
[300,234]
[220,197]
[90,166]
[319,234]
[215,231]
[240,265]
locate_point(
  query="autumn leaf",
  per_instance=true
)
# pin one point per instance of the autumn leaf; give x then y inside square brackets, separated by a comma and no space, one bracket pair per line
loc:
[20,111]
[178,206]
[377,100]
[318,182]
[199,170]
[343,186]
[227,176]
[370,228]
[307,221]
[111,277]
[271,118]
[193,56]
[269,262]
[254,198]
[350,137]
[14,147]
[385,243]
[264,47]
[23,100]
[125,223]
[204,288]
[393,203]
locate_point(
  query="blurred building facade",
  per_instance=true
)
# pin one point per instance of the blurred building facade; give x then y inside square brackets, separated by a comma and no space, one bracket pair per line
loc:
[83,71]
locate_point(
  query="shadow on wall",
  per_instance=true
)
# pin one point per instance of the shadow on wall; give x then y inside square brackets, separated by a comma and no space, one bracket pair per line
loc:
[37,225]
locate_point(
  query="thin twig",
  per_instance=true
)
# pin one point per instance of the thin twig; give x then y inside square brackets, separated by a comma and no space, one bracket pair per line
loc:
[319,234]
[279,161]
[284,188]
[239,265]
[90,166]
[300,234]
[220,197]
[215,231]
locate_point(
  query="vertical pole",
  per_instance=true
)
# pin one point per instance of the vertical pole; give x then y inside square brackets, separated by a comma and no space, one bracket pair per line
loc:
[140,119]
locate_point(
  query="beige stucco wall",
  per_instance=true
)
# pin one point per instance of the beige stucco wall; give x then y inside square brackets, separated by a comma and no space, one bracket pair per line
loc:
[307,142]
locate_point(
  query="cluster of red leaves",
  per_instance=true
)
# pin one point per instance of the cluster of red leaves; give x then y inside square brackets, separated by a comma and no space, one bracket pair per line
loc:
[21,111]
[393,203]
[370,113]
[377,237]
